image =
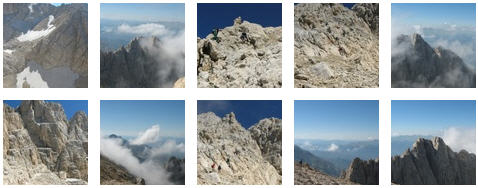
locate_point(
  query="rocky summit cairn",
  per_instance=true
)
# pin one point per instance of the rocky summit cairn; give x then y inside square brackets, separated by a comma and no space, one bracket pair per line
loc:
[416,64]
[228,154]
[336,46]
[245,55]
[41,146]
[362,172]
[431,162]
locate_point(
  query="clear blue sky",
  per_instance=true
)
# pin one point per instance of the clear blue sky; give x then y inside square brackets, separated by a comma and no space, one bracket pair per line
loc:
[248,112]
[69,106]
[128,118]
[430,117]
[143,11]
[336,120]
[221,15]
[430,14]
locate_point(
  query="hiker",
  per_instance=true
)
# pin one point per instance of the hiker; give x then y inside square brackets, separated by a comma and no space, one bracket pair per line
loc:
[244,37]
[219,168]
[215,33]
[213,165]
[300,162]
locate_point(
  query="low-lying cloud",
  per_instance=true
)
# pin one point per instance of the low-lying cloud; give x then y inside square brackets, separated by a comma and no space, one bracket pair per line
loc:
[333,147]
[152,29]
[151,135]
[460,138]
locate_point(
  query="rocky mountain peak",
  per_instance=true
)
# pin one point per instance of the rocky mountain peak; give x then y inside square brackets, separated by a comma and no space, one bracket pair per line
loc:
[433,162]
[363,172]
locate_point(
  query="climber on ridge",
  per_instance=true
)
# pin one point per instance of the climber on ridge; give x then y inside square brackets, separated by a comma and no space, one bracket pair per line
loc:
[215,32]
[244,37]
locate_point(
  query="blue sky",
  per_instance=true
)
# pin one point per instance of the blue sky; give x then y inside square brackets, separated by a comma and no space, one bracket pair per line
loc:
[431,117]
[69,106]
[336,120]
[430,14]
[221,15]
[128,118]
[248,112]
[143,11]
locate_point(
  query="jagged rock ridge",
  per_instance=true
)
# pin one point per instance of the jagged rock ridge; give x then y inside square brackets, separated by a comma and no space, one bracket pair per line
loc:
[336,46]
[41,146]
[246,157]
[416,64]
[143,63]
[52,41]
[234,63]
[431,162]
[363,172]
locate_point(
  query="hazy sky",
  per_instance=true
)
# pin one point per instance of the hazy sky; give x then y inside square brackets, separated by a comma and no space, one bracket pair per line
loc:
[430,14]
[69,106]
[248,112]
[431,117]
[128,118]
[220,15]
[336,120]
[143,11]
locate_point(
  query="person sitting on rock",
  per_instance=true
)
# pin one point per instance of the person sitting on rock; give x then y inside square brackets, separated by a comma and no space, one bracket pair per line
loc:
[219,168]
[215,33]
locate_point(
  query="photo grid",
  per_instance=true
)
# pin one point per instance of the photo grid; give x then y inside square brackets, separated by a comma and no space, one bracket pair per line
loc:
[191,93]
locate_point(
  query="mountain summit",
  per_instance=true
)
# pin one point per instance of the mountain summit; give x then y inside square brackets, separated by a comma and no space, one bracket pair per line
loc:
[416,64]
[431,162]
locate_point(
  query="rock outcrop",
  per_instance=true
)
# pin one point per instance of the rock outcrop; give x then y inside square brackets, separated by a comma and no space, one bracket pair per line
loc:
[144,63]
[363,172]
[52,41]
[246,157]
[231,62]
[41,146]
[416,64]
[336,46]
[431,162]
[306,175]
[315,162]
[113,174]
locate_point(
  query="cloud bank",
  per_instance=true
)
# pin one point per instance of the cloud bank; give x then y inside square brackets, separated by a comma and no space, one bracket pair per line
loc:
[151,135]
[152,29]
[460,138]
[333,147]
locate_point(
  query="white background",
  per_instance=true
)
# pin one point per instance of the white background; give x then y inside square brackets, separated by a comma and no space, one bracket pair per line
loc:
[191,94]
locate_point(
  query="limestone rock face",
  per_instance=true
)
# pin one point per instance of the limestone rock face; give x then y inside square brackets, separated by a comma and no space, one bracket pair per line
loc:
[142,63]
[416,64]
[432,162]
[60,54]
[224,142]
[306,175]
[255,62]
[56,146]
[113,174]
[336,46]
[363,172]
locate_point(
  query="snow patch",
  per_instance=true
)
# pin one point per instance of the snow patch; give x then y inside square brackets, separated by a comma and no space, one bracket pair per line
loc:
[33,78]
[30,7]
[8,51]
[33,35]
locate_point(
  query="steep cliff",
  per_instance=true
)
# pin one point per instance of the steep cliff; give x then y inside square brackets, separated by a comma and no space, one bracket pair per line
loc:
[232,62]
[363,172]
[431,162]
[245,157]
[43,146]
[113,174]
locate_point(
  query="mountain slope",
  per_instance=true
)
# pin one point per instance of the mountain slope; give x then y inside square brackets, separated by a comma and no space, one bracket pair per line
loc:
[416,64]
[336,46]
[243,160]
[233,63]
[113,174]
[46,40]
[431,162]
[306,175]
[144,62]
[315,162]
[42,147]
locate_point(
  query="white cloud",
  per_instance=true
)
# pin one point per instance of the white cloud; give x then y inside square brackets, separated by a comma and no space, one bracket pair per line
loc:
[33,35]
[151,135]
[333,147]
[32,77]
[152,29]
[460,138]
[149,170]
[168,148]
